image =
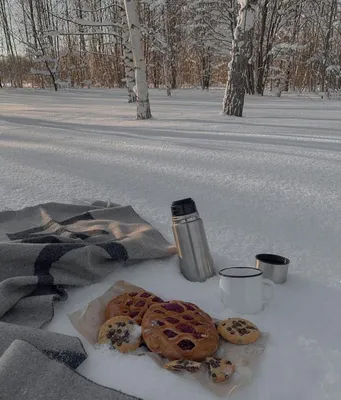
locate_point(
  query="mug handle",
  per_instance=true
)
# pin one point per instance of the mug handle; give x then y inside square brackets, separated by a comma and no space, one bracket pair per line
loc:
[272,286]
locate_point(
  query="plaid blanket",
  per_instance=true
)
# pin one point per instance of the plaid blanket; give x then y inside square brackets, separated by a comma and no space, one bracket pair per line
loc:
[43,250]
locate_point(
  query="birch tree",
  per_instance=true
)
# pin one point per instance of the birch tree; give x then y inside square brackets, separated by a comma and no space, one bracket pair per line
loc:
[327,44]
[167,47]
[142,95]
[128,58]
[235,88]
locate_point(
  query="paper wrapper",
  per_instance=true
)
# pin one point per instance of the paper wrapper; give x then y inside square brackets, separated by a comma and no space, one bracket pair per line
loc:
[245,357]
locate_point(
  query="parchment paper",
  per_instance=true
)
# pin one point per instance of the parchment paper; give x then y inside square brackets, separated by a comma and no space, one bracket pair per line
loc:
[245,357]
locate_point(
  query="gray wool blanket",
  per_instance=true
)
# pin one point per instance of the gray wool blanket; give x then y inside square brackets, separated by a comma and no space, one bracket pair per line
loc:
[44,250]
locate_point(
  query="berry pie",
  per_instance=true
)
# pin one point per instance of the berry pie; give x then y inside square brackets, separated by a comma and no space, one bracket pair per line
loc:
[179,330]
[132,305]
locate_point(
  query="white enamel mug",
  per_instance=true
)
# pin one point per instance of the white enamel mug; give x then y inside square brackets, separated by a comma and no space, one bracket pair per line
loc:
[244,290]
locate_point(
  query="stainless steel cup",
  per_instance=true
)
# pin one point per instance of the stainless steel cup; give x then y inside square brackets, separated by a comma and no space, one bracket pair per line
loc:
[274,267]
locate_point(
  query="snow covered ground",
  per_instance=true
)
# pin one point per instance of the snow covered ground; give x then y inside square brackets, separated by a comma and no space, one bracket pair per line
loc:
[270,182]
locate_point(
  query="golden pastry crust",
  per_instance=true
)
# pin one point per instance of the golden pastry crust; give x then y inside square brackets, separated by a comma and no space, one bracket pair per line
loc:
[238,331]
[132,305]
[219,370]
[183,365]
[179,330]
[123,333]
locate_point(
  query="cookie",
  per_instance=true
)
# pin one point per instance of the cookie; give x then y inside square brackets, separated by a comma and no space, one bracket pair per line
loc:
[123,333]
[219,370]
[238,331]
[183,365]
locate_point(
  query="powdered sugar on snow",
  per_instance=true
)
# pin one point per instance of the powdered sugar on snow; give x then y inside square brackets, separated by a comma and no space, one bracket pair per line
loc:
[269,182]
[134,333]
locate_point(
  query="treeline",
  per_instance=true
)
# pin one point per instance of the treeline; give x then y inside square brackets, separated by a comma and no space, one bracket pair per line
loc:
[295,44]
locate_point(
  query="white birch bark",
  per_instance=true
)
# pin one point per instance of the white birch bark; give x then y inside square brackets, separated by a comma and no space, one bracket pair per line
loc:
[142,96]
[167,55]
[235,88]
[128,59]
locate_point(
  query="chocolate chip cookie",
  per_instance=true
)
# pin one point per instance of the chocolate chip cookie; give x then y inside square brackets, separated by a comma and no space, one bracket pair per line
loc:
[238,331]
[219,370]
[183,365]
[122,333]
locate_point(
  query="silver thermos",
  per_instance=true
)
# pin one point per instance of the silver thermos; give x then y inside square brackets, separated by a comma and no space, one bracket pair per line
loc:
[195,259]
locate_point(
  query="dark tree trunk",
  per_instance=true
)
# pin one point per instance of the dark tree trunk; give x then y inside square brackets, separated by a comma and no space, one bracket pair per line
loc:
[236,84]
[206,71]
[173,73]
[250,79]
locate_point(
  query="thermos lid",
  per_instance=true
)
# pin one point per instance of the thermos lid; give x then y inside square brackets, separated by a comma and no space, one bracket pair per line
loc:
[183,207]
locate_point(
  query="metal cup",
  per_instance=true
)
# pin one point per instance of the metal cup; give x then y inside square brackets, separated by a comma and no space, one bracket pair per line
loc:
[274,267]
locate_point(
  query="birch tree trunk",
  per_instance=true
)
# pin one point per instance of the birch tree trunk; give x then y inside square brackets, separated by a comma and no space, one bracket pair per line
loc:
[6,27]
[235,87]
[166,47]
[326,52]
[295,30]
[142,96]
[128,59]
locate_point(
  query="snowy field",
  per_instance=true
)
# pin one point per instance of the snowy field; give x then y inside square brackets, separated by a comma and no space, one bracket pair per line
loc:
[269,182]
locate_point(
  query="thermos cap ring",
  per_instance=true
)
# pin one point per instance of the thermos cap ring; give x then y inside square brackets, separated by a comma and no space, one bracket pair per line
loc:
[183,207]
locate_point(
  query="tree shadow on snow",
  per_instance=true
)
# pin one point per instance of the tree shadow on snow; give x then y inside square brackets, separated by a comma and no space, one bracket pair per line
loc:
[148,132]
